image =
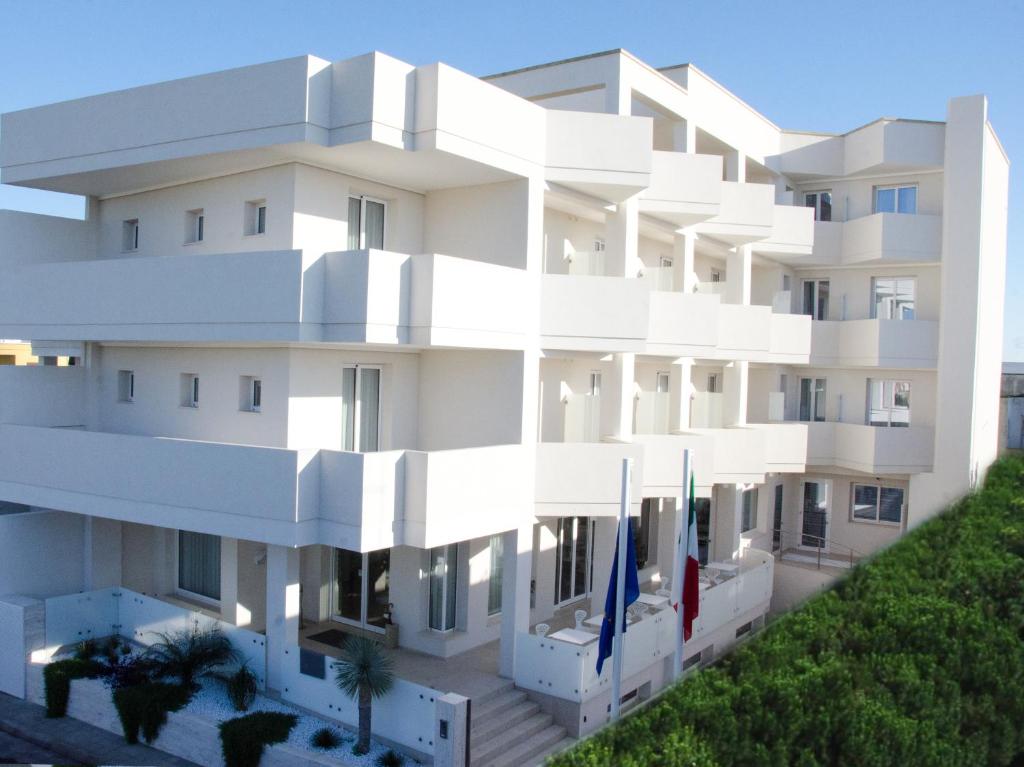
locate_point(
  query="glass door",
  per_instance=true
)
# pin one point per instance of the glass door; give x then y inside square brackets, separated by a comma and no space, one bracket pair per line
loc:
[777,520]
[814,522]
[815,299]
[702,509]
[360,409]
[362,588]
[812,399]
[573,565]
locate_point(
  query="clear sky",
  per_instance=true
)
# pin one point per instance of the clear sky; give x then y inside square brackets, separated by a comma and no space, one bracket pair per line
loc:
[827,66]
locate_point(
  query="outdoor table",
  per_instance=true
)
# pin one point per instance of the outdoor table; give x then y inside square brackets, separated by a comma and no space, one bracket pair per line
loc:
[574,636]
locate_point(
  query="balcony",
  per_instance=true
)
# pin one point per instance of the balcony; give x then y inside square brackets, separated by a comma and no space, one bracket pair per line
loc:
[792,233]
[881,238]
[720,456]
[598,313]
[902,344]
[359,501]
[585,478]
[685,189]
[746,214]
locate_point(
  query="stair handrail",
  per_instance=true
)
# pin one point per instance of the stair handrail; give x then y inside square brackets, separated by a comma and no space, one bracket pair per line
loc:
[820,541]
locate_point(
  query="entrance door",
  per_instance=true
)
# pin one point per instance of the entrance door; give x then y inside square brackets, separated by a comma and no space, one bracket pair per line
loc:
[573,566]
[777,520]
[814,522]
[362,588]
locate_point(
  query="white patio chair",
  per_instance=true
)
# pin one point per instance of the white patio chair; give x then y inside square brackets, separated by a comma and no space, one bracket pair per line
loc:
[541,629]
[580,616]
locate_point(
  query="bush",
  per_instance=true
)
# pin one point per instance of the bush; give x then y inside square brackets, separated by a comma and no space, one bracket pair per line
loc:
[57,678]
[243,739]
[326,738]
[128,671]
[390,759]
[145,707]
[916,658]
[242,687]
[188,654]
[87,649]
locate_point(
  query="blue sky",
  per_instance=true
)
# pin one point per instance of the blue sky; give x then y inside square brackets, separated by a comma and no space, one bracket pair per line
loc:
[817,66]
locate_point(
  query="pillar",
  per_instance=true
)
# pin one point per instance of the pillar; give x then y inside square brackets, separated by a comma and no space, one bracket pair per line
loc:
[728,514]
[617,399]
[231,610]
[451,731]
[517,567]
[622,233]
[684,275]
[684,136]
[735,166]
[734,393]
[680,394]
[282,609]
[738,275]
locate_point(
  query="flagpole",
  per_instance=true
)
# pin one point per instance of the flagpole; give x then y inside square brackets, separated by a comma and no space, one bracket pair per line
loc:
[679,568]
[620,588]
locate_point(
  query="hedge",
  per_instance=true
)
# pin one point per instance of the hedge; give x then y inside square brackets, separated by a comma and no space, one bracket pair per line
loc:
[916,658]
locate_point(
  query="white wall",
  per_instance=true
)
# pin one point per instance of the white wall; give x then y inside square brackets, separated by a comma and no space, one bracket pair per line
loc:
[41,553]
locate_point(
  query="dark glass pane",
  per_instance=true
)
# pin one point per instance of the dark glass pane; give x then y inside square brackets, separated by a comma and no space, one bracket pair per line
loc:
[582,538]
[891,505]
[865,501]
[702,507]
[826,207]
[814,521]
[349,577]
[378,586]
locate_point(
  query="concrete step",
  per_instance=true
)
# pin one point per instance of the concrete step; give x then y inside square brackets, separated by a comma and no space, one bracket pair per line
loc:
[506,687]
[514,738]
[483,710]
[531,751]
[564,744]
[487,727]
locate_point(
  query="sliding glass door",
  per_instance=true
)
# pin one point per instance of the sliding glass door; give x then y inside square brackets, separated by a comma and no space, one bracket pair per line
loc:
[360,409]
[573,565]
[362,589]
[814,522]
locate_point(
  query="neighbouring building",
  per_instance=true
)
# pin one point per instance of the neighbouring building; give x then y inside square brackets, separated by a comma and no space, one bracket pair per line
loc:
[1011,407]
[360,348]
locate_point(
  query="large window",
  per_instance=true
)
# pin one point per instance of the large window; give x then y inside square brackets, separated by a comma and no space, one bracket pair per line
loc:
[822,204]
[892,298]
[444,571]
[896,199]
[572,568]
[812,399]
[366,223]
[497,547]
[888,403]
[362,587]
[360,409]
[877,503]
[815,301]
[748,516]
[199,564]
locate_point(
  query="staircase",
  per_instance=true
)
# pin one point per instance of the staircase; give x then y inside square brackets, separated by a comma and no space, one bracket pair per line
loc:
[510,730]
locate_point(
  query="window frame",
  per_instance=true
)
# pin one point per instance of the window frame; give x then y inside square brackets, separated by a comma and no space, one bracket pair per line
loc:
[816,393]
[496,556]
[363,199]
[816,300]
[896,197]
[195,226]
[255,217]
[896,279]
[357,407]
[889,404]
[130,235]
[190,390]
[748,510]
[817,193]
[451,559]
[877,519]
[194,595]
[126,386]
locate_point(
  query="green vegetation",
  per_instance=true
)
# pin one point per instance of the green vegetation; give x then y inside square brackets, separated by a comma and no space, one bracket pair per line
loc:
[57,678]
[326,739]
[191,653]
[917,658]
[364,672]
[390,758]
[242,687]
[145,707]
[242,740]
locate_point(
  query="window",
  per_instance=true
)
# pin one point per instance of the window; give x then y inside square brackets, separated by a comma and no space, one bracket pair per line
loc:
[598,245]
[199,564]
[716,275]
[876,503]
[748,516]
[816,298]
[366,223]
[892,298]
[195,223]
[896,199]
[777,520]
[713,383]
[643,533]
[360,409]
[443,580]
[189,390]
[888,403]
[250,394]
[125,386]
[822,204]
[661,383]
[256,217]
[497,547]
[362,588]
[130,235]
[595,384]
[812,399]
[574,548]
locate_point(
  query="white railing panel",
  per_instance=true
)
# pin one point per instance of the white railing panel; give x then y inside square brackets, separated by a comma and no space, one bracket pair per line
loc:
[551,666]
[75,617]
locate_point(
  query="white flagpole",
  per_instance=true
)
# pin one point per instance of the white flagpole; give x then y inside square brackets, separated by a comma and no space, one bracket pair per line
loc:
[679,568]
[620,588]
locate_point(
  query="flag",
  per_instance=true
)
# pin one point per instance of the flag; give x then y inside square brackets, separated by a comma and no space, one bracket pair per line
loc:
[604,649]
[691,568]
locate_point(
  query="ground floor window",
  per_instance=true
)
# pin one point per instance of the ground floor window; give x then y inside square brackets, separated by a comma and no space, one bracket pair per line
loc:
[362,588]
[876,503]
[444,570]
[749,512]
[199,564]
[702,508]
[497,547]
[575,555]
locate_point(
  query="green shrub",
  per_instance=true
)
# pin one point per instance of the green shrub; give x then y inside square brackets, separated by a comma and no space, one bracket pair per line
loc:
[325,738]
[87,649]
[242,740]
[57,678]
[390,758]
[186,655]
[145,707]
[242,687]
[916,658]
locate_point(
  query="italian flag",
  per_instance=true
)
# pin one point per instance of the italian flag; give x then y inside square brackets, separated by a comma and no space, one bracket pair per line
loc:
[691,567]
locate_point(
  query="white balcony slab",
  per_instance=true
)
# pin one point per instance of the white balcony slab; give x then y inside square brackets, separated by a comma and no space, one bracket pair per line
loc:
[881,238]
[745,214]
[685,189]
[899,344]
[599,313]
[871,449]
[585,478]
[792,232]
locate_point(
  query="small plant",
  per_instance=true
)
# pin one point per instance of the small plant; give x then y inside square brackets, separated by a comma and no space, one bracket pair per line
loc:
[114,649]
[87,649]
[188,654]
[390,758]
[364,672]
[326,738]
[57,677]
[128,671]
[242,687]
[145,707]
[242,740]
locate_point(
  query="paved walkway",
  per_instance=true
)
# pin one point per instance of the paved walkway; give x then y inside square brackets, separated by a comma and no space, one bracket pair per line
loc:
[75,740]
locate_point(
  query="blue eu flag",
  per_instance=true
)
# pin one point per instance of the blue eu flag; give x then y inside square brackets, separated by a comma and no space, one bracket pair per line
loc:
[604,649]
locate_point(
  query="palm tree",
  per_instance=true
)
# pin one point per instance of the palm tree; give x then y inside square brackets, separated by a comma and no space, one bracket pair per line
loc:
[190,653]
[364,672]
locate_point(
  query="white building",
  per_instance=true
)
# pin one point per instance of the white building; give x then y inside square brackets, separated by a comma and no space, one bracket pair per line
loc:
[362,345]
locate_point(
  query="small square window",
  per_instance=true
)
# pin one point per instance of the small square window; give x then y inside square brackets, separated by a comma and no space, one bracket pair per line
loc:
[189,390]
[250,394]
[195,226]
[256,217]
[125,386]
[130,235]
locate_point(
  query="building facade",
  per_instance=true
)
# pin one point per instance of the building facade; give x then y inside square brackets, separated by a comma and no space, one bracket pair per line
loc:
[361,346]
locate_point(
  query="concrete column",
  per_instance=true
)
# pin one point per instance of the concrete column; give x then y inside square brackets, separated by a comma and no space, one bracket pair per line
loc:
[451,731]
[101,560]
[680,394]
[738,275]
[517,566]
[617,399]
[735,166]
[618,96]
[684,136]
[231,610]
[734,393]
[728,513]
[282,609]
[684,276]
[621,240]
